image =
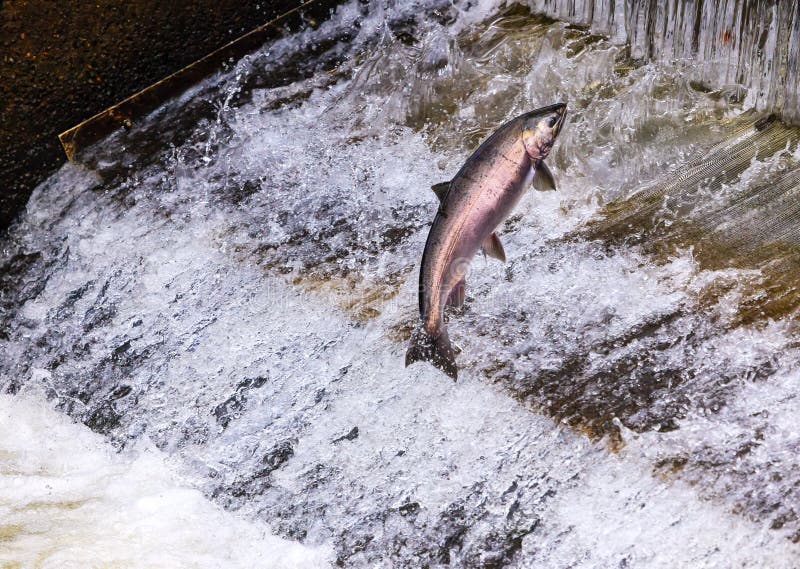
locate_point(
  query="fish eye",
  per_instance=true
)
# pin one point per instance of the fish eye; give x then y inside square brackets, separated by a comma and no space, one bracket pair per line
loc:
[551,122]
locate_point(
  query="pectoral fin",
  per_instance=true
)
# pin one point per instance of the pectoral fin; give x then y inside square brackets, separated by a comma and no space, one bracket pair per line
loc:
[543,178]
[456,298]
[493,248]
[440,190]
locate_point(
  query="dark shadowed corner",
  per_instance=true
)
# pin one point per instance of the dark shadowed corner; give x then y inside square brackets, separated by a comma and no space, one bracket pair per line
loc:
[64,62]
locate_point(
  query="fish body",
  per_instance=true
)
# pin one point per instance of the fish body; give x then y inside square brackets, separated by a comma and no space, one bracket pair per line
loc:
[473,204]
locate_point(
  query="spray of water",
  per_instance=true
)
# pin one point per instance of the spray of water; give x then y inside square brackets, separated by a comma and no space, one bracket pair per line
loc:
[234,281]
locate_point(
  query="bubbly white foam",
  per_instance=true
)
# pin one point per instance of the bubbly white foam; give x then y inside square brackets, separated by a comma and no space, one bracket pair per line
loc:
[249,370]
[67,500]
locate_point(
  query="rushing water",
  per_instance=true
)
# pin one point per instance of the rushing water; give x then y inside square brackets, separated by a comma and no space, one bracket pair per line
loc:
[748,48]
[67,500]
[224,294]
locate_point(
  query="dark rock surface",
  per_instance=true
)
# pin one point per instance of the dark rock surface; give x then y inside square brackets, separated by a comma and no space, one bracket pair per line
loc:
[64,62]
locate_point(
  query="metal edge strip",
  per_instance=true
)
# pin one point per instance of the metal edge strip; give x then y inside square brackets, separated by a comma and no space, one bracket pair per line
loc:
[121,114]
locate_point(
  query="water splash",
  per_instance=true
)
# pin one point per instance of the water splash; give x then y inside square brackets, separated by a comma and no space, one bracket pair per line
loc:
[68,500]
[242,298]
[742,48]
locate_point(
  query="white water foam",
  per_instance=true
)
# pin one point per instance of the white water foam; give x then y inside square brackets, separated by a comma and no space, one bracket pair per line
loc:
[67,500]
[202,302]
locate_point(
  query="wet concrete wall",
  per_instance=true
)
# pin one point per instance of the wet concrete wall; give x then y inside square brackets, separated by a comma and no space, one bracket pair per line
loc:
[62,62]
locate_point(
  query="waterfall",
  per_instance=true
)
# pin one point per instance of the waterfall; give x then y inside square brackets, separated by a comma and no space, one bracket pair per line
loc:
[751,44]
[223,296]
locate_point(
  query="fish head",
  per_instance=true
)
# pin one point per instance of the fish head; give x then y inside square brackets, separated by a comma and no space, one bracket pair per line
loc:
[539,131]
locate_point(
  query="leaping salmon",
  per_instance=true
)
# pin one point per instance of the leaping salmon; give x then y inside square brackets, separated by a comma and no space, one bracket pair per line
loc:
[472,205]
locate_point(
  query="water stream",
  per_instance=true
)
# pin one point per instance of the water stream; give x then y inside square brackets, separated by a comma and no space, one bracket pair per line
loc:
[224,293]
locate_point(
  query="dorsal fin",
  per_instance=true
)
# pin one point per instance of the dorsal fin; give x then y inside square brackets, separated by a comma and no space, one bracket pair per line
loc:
[543,178]
[493,248]
[440,189]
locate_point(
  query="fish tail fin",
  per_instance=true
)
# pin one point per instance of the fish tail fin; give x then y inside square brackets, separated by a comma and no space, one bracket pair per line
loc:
[433,348]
